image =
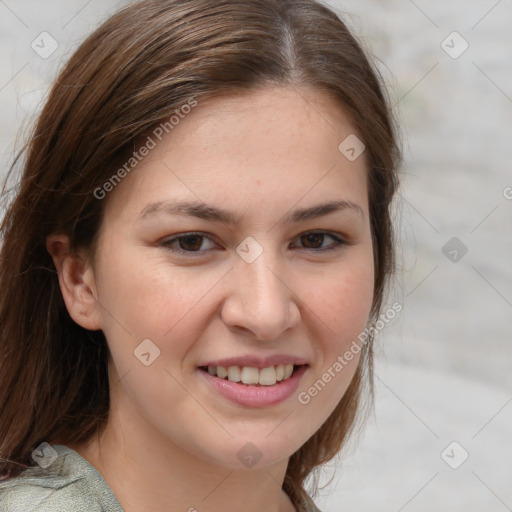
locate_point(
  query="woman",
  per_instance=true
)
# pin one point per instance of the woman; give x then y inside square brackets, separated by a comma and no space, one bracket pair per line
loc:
[199,242]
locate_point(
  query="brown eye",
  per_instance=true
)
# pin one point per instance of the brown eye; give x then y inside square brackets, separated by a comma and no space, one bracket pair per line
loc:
[314,240]
[188,243]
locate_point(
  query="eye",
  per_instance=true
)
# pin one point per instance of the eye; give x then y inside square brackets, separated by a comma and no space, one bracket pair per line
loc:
[313,241]
[190,243]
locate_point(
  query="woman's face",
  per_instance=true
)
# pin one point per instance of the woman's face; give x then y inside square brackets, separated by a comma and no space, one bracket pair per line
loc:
[248,285]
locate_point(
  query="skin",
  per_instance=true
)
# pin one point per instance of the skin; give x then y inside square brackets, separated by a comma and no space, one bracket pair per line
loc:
[171,441]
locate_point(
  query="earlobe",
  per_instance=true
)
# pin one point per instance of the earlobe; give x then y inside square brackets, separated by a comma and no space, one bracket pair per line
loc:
[76,281]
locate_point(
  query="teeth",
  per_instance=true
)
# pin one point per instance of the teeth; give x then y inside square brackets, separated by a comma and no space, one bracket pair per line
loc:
[234,374]
[249,375]
[288,370]
[222,372]
[267,376]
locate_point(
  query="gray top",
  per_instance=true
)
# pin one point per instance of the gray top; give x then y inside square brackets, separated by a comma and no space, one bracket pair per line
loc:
[68,484]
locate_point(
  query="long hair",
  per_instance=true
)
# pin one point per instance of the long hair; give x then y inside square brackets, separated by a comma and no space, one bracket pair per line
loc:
[140,67]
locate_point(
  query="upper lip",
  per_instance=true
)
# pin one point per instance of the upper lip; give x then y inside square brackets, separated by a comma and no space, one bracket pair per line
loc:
[255,361]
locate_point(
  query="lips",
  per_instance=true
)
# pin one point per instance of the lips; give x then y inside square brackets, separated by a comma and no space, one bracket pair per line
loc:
[254,380]
[254,395]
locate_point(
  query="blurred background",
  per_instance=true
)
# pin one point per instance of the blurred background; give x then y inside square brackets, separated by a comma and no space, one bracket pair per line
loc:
[440,435]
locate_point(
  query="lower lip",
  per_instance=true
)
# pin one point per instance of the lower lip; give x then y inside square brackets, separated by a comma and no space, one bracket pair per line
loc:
[256,396]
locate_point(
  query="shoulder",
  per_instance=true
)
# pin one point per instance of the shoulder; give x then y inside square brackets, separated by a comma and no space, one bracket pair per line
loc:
[68,484]
[21,494]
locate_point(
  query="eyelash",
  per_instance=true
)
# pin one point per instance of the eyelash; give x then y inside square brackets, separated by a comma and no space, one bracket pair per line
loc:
[167,243]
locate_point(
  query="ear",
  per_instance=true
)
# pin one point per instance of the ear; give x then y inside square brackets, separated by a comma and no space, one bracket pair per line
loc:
[76,281]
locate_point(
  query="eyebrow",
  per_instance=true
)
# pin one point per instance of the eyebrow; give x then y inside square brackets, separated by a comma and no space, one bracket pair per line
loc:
[212,213]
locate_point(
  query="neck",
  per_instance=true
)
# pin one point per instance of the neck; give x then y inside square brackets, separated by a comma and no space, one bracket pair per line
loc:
[148,472]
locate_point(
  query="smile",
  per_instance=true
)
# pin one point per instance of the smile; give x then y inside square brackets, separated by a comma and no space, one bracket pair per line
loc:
[254,387]
[252,376]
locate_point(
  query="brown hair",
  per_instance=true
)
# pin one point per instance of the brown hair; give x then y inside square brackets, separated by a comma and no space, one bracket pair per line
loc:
[137,69]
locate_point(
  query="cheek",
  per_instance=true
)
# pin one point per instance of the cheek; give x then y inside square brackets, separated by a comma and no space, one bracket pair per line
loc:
[147,299]
[136,291]
[143,299]
[343,303]
[342,300]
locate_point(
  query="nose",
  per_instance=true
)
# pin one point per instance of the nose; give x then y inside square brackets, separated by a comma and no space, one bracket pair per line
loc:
[261,302]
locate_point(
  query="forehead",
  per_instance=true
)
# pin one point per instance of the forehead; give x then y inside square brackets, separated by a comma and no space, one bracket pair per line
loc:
[267,118]
[269,147]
